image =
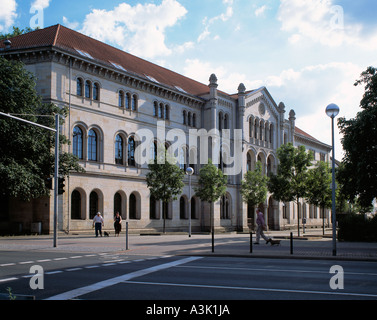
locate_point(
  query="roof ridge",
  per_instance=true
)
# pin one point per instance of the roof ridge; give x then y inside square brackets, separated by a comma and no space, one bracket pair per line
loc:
[56,35]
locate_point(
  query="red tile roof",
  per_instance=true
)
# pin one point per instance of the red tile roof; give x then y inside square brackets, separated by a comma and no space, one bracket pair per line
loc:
[61,37]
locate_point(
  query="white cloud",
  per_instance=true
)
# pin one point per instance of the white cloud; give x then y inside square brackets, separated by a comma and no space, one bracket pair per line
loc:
[260,11]
[222,17]
[71,25]
[7,14]
[138,29]
[41,4]
[322,22]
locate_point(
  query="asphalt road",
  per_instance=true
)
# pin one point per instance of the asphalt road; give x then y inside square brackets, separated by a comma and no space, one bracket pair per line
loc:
[119,276]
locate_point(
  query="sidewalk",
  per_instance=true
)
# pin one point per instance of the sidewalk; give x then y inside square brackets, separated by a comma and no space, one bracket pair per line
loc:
[310,246]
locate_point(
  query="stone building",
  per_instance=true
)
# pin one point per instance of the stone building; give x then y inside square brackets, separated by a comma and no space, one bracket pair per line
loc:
[115,100]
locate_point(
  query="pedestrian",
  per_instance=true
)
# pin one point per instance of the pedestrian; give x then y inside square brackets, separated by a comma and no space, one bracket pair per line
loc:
[117,224]
[261,226]
[98,223]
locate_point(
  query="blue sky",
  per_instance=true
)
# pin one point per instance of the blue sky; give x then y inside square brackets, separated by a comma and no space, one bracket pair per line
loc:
[308,53]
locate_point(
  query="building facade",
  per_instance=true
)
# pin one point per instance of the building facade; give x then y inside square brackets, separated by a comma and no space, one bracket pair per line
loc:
[118,103]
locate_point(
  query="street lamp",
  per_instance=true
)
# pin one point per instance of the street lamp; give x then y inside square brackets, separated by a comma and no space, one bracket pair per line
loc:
[332,111]
[189,172]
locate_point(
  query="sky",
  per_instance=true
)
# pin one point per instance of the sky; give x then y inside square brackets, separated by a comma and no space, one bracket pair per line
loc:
[307,53]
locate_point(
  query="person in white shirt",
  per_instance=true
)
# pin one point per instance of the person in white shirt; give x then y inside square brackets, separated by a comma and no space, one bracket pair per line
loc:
[98,223]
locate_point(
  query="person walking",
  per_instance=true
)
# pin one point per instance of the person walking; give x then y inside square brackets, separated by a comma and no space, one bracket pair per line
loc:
[261,226]
[117,224]
[98,223]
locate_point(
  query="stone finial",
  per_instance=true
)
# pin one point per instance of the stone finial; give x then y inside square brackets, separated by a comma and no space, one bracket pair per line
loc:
[213,79]
[292,115]
[241,88]
[282,106]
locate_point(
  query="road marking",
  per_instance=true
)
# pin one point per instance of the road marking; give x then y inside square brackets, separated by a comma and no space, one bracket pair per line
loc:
[73,269]
[7,280]
[91,267]
[108,283]
[45,260]
[75,257]
[255,289]
[26,262]
[275,270]
[54,272]
[7,265]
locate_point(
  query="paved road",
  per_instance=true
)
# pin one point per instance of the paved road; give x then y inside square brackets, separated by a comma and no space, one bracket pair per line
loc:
[117,276]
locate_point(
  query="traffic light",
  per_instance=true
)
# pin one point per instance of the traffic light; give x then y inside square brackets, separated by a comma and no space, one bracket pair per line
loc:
[48,183]
[61,185]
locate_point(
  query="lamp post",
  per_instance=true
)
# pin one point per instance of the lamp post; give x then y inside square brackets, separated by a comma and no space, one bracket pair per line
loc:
[189,172]
[332,111]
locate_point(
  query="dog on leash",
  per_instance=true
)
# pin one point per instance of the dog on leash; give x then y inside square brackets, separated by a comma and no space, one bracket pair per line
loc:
[274,242]
[106,234]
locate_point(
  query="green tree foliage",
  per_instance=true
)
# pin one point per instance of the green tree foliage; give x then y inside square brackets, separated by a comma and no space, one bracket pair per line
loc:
[319,185]
[26,151]
[16,32]
[290,182]
[165,181]
[254,187]
[358,175]
[212,183]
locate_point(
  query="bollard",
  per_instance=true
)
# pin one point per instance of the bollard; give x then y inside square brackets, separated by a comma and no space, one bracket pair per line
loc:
[127,248]
[251,242]
[291,242]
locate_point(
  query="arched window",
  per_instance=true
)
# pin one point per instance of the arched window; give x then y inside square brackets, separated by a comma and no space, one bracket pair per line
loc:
[118,203]
[193,209]
[78,143]
[131,152]
[76,205]
[184,117]
[127,101]
[152,208]
[93,204]
[182,158]
[134,102]
[248,164]
[155,109]
[96,91]
[167,112]
[79,90]
[161,111]
[92,146]
[182,208]
[119,158]
[224,207]
[194,120]
[220,121]
[88,89]
[133,207]
[121,99]
[226,122]
[189,118]
[153,151]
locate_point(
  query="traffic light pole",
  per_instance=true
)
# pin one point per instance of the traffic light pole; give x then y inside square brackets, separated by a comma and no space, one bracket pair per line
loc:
[56,183]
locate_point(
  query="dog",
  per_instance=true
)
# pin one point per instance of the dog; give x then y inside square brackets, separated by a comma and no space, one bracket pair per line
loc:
[106,234]
[274,242]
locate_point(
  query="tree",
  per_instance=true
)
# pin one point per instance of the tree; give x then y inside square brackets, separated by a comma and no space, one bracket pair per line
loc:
[212,186]
[254,187]
[26,151]
[319,188]
[290,183]
[358,175]
[16,32]
[165,181]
